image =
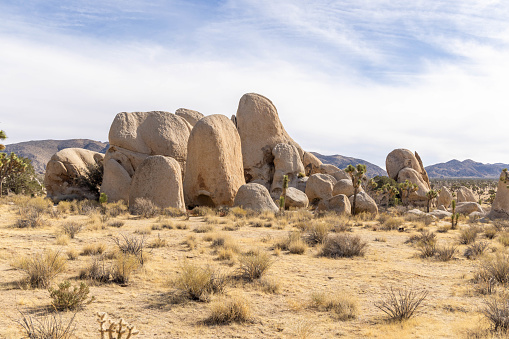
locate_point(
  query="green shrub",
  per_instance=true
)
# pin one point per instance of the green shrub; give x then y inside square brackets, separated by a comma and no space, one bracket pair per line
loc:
[65,298]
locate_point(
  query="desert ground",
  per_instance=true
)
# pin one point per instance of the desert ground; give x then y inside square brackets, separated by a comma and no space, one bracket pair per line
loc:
[289,300]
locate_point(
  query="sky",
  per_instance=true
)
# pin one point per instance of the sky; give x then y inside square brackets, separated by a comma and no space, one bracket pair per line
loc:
[351,77]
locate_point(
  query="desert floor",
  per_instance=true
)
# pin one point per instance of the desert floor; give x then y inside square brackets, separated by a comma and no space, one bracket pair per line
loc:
[280,302]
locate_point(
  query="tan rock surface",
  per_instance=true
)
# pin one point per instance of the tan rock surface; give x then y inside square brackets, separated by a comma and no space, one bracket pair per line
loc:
[338,203]
[296,198]
[445,197]
[286,162]
[189,115]
[319,187]
[260,131]
[158,179]
[255,197]
[343,186]
[311,163]
[500,207]
[214,170]
[364,203]
[63,170]
[465,194]
[468,207]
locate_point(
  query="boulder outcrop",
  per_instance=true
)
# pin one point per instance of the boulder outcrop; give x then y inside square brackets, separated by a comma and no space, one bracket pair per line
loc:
[465,194]
[311,163]
[255,197]
[500,207]
[190,116]
[445,197]
[319,187]
[64,170]
[338,203]
[286,162]
[364,203]
[260,131]
[344,186]
[158,179]
[135,136]
[296,198]
[468,207]
[214,170]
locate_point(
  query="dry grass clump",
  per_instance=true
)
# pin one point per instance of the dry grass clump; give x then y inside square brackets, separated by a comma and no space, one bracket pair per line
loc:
[197,282]
[468,234]
[392,223]
[343,246]
[225,311]
[64,207]
[226,249]
[269,286]
[62,240]
[215,220]
[30,217]
[71,228]
[445,253]
[425,236]
[495,269]
[132,245]
[343,305]
[202,211]
[158,242]
[293,243]
[144,208]
[119,271]
[490,232]
[402,303]
[503,238]
[476,249]
[93,249]
[173,212]
[254,264]
[317,232]
[72,254]
[203,229]
[41,268]
[114,209]
[116,223]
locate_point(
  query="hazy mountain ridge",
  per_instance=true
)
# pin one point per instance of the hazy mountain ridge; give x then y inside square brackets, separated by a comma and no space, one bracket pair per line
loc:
[41,151]
[465,169]
[342,162]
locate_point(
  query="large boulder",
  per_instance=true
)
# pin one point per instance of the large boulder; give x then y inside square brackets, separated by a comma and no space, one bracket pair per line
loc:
[338,203]
[440,214]
[419,196]
[364,203]
[158,179]
[445,197]
[311,163]
[500,207]
[328,169]
[398,159]
[260,131]
[341,174]
[255,197]
[468,207]
[343,186]
[465,194]
[214,169]
[64,170]
[286,162]
[319,186]
[296,198]
[190,116]
[135,136]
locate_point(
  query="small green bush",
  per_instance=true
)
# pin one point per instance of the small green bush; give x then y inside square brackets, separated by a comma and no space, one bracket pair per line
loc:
[65,298]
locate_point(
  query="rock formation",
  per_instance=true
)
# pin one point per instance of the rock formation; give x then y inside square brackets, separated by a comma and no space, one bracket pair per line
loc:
[135,136]
[158,179]
[311,163]
[364,203]
[255,197]
[500,207]
[63,171]
[296,198]
[468,207]
[465,194]
[214,170]
[403,165]
[286,162]
[338,203]
[319,187]
[445,197]
[190,116]
[260,131]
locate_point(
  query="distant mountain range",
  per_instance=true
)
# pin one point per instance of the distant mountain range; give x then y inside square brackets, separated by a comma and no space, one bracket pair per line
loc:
[465,169]
[40,151]
[342,162]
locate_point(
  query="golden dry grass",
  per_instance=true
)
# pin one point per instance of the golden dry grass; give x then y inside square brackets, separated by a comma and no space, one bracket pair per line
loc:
[278,302]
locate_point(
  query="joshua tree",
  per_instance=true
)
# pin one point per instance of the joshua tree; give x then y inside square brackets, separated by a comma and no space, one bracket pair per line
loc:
[454,216]
[430,195]
[282,198]
[356,174]
[406,189]
[10,165]
[2,137]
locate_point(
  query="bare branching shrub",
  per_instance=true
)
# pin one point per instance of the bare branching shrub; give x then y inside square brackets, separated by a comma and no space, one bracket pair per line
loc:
[468,234]
[402,303]
[254,264]
[225,311]
[427,249]
[30,217]
[425,236]
[199,282]
[503,238]
[343,245]
[343,305]
[495,268]
[144,208]
[131,245]
[71,228]
[496,310]
[476,249]
[49,326]
[97,271]
[445,253]
[41,268]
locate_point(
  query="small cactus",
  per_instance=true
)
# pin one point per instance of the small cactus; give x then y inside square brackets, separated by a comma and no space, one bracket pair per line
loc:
[114,329]
[282,198]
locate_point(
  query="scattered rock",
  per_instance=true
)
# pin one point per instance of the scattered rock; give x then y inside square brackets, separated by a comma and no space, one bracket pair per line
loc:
[416,212]
[338,203]
[214,170]
[440,214]
[311,163]
[343,186]
[255,197]
[328,169]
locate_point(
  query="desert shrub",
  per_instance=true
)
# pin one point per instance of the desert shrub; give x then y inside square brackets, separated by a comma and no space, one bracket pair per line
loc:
[496,311]
[468,234]
[427,249]
[131,245]
[123,267]
[93,249]
[401,304]
[425,237]
[71,228]
[490,232]
[225,242]
[476,249]
[42,268]
[202,211]
[64,206]
[503,238]
[235,309]
[144,208]
[443,229]
[157,243]
[445,253]
[254,264]
[49,326]
[203,229]
[392,223]
[317,232]
[65,298]
[270,286]
[96,271]
[343,305]
[143,231]
[114,209]
[30,217]
[117,223]
[199,282]
[181,226]
[343,245]
[238,212]
[72,254]
[91,178]
[191,242]
[297,246]
[495,268]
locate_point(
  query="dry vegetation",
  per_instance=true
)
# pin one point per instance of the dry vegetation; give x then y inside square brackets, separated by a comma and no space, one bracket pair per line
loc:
[235,274]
